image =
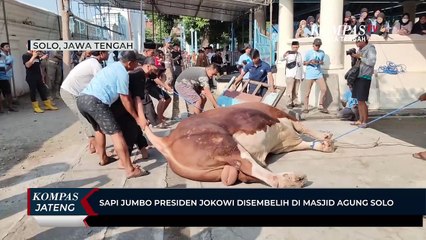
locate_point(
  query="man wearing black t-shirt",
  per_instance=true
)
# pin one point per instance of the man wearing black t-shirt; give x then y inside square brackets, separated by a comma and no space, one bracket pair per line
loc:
[34,78]
[131,131]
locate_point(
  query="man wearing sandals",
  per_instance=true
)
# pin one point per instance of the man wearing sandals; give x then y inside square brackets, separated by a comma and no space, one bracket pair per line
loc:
[421,155]
[361,88]
[313,61]
[108,85]
[76,81]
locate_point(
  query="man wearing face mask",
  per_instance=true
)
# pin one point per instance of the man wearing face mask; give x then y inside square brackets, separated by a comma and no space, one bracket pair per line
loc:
[404,27]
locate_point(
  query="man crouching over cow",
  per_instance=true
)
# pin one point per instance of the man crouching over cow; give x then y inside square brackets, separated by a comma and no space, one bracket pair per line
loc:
[94,103]
[193,86]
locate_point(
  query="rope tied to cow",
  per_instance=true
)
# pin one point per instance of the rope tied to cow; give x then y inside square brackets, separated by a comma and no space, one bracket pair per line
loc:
[375,120]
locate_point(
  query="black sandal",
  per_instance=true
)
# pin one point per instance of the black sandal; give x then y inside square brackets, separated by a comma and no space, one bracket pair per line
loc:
[109,161]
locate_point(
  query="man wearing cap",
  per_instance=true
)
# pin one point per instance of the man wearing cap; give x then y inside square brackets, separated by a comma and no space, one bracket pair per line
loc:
[148,49]
[152,88]
[314,59]
[193,86]
[131,131]
[76,81]
[361,88]
[94,102]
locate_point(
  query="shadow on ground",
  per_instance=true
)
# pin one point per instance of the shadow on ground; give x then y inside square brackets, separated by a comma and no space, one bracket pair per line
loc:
[410,130]
[44,170]
[24,132]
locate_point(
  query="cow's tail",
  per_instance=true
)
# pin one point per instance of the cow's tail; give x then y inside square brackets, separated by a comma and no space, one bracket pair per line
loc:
[158,142]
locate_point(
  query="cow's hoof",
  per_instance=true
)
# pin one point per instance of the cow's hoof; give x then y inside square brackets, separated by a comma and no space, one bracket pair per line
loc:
[291,180]
[327,146]
[327,136]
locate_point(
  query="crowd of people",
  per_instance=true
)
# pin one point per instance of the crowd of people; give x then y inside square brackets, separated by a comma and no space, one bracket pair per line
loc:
[355,99]
[362,22]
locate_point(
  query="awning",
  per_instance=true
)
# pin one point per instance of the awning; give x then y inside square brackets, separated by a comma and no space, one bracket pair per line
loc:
[221,10]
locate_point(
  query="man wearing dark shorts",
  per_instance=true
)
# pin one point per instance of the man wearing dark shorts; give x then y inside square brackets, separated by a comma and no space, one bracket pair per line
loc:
[193,86]
[152,88]
[131,131]
[94,102]
[361,88]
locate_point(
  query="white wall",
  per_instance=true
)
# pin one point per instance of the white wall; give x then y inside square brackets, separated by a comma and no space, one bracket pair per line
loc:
[45,26]
[387,91]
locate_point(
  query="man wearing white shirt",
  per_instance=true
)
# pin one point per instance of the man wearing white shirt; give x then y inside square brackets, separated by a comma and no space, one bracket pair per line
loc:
[209,53]
[294,74]
[77,80]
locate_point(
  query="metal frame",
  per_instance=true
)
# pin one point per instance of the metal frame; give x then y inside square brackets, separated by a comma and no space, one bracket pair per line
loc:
[222,10]
[245,83]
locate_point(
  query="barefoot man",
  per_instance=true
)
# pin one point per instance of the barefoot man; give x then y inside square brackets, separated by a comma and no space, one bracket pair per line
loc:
[108,85]
[421,155]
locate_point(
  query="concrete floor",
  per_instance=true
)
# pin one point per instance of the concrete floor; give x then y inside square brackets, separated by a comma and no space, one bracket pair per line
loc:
[49,150]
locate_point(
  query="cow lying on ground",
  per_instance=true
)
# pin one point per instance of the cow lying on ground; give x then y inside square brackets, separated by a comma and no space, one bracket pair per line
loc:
[230,144]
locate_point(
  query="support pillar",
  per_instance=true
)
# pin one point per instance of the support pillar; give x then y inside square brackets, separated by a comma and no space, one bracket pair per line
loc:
[285,35]
[142,30]
[331,19]
[196,41]
[192,40]
[260,17]
[65,16]
[232,44]
[410,7]
[251,27]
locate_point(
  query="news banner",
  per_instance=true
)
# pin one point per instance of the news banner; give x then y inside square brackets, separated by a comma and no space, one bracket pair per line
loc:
[79,45]
[71,207]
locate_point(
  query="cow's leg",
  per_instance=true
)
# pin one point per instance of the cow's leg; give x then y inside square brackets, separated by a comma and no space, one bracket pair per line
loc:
[323,146]
[229,175]
[246,178]
[300,128]
[246,164]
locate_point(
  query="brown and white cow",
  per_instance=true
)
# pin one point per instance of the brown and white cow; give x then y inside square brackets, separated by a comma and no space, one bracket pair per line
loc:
[230,144]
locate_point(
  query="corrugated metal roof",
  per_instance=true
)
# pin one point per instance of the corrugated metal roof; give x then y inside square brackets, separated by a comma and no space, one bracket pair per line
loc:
[222,10]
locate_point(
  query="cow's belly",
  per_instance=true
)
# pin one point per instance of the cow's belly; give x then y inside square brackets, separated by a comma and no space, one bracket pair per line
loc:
[278,138]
